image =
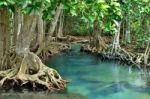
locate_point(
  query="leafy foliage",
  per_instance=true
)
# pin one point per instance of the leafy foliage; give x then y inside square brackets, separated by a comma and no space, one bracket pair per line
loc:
[105,12]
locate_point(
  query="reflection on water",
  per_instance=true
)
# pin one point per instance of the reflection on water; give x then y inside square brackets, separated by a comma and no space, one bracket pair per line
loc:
[100,80]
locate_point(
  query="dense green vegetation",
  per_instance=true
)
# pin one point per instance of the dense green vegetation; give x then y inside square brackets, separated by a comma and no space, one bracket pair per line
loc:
[28,27]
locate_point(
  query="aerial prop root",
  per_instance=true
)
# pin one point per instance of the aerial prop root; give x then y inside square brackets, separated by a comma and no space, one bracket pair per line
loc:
[135,59]
[34,71]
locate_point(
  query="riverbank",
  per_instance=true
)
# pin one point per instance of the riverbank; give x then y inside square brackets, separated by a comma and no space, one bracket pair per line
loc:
[128,54]
[58,47]
[62,46]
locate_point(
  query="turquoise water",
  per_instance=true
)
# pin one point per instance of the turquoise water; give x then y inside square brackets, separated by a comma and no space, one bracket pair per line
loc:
[95,79]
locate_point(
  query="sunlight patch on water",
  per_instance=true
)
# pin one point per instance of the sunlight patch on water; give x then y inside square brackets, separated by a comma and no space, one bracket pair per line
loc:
[139,82]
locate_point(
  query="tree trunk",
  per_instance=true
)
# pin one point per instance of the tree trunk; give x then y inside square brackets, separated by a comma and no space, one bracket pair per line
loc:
[61,21]
[54,23]
[18,22]
[98,44]
[116,43]
[41,34]
[1,35]
[128,31]
[25,36]
[4,38]
[147,51]
[146,54]
[5,30]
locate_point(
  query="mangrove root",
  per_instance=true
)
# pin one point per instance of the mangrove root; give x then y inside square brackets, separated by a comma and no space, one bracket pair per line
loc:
[32,74]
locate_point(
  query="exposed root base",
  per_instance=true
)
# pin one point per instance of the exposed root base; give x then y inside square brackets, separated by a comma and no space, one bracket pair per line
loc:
[32,74]
[121,55]
[52,49]
[45,53]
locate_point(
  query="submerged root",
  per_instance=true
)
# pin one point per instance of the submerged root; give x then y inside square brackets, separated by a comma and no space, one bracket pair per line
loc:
[34,73]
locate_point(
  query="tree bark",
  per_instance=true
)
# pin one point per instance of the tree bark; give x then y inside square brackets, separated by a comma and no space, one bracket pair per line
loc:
[116,42]
[25,36]
[4,38]
[147,51]
[5,29]
[18,23]
[146,54]
[98,44]
[1,34]
[61,21]
[54,22]
[128,31]
[41,34]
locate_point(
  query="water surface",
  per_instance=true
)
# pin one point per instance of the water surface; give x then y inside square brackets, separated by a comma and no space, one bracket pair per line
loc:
[97,79]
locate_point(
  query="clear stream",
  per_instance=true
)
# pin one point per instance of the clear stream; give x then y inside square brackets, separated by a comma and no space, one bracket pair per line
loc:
[91,78]
[95,79]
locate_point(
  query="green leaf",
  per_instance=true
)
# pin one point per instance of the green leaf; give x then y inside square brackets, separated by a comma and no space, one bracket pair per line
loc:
[104,7]
[115,4]
[48,1]
[11,2]
[73,12]
[92,19]
[3,3]
[100,1]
